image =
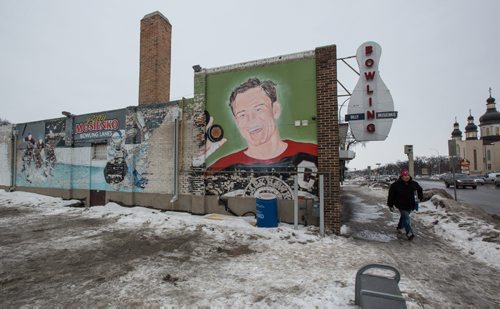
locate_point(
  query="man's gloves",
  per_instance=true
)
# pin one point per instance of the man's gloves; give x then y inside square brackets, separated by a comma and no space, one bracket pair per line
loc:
[391,208]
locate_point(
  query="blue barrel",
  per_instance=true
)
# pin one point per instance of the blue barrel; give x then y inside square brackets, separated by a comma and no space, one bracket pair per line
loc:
[267,210]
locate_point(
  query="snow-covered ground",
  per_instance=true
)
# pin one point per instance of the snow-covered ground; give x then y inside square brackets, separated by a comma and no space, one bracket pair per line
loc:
[217,260]
[467,228]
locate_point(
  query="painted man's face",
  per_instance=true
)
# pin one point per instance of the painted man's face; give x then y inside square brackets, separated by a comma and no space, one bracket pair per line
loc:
[255,116]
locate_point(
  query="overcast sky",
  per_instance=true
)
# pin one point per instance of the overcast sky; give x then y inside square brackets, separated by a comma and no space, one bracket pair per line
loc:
[438,57]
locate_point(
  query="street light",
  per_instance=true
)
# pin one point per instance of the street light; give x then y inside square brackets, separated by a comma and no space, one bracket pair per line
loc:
[378,169]
[67,114]
[340,109]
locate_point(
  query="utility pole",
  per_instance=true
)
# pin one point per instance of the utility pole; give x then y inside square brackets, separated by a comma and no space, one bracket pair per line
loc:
[452,152]
[409,153]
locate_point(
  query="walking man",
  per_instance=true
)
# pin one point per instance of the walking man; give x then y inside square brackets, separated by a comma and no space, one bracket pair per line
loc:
[403,194]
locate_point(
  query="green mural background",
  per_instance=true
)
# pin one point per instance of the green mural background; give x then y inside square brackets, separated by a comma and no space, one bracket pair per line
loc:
[296,92]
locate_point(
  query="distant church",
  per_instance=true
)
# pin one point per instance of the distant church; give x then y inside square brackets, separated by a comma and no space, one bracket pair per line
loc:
[480,155]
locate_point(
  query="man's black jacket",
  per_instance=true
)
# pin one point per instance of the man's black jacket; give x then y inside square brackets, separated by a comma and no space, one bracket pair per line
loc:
[402,194]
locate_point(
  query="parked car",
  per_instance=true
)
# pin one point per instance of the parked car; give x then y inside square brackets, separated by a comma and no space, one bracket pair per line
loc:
[435,177]
[386,178]
[478,180]
[497,181]
[460,181]
[393,177]
[490,177]
[444,176]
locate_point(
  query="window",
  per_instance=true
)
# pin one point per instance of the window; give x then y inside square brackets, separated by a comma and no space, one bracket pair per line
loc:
[497,131]
[488,155]
[487,132]
[99,152]
[475,159]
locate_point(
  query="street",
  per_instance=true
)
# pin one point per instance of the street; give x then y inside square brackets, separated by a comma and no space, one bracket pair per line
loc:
[485,197]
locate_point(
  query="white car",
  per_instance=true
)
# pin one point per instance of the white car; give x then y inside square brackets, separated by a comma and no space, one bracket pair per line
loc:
[479,180]
[490,178]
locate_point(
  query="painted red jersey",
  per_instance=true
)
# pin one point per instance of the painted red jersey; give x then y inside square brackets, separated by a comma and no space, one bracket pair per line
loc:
[291,157]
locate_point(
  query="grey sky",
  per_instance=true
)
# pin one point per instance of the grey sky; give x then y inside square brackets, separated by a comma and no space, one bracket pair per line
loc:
[438,57]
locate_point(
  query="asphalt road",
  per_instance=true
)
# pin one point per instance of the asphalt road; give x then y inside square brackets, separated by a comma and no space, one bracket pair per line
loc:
[486,197]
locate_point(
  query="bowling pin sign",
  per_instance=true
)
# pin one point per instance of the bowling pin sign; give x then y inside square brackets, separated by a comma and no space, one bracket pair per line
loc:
[371,109]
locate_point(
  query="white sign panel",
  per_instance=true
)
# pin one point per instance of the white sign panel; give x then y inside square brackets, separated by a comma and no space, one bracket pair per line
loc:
[371,110]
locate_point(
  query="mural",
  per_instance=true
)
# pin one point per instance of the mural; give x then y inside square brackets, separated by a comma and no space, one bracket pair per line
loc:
[104,151]
[260,131]
[116,168]
[36,143]
[54,137]
[28,156]
[141,145]
[129,151]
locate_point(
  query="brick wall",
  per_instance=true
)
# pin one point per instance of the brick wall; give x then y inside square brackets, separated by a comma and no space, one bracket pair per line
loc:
[155,56]
[328,133]
[156,152]
[187,146]
[195,179]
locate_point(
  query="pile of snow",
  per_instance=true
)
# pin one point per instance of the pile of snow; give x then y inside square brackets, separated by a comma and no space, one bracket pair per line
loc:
[428,194]
[470,234]
[35,200]
[156,219]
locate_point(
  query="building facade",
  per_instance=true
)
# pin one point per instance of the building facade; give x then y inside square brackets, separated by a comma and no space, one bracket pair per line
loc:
[200,155]
[480,154]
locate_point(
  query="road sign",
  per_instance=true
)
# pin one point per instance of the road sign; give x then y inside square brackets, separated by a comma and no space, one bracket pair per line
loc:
[351,117]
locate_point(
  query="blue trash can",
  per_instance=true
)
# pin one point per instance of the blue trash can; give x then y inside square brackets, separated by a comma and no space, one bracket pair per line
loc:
[267,210]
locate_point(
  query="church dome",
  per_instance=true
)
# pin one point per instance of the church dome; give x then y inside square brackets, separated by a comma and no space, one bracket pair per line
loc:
[492,116]
[470,127]
[456,131]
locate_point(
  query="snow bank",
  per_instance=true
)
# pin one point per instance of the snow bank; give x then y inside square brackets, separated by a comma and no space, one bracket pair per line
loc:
[470,234]
[454,222]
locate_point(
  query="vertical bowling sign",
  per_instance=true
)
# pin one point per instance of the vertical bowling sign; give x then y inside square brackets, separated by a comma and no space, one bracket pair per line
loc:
[371,109]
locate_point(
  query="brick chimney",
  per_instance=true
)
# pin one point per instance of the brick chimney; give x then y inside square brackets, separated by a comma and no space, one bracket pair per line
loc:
[154,75]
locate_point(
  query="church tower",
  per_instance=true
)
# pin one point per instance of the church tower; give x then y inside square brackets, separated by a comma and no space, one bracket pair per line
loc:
[456,134]
[470,128]
[490,123]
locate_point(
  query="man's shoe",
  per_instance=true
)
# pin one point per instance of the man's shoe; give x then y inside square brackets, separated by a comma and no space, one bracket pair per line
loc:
[410,235]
